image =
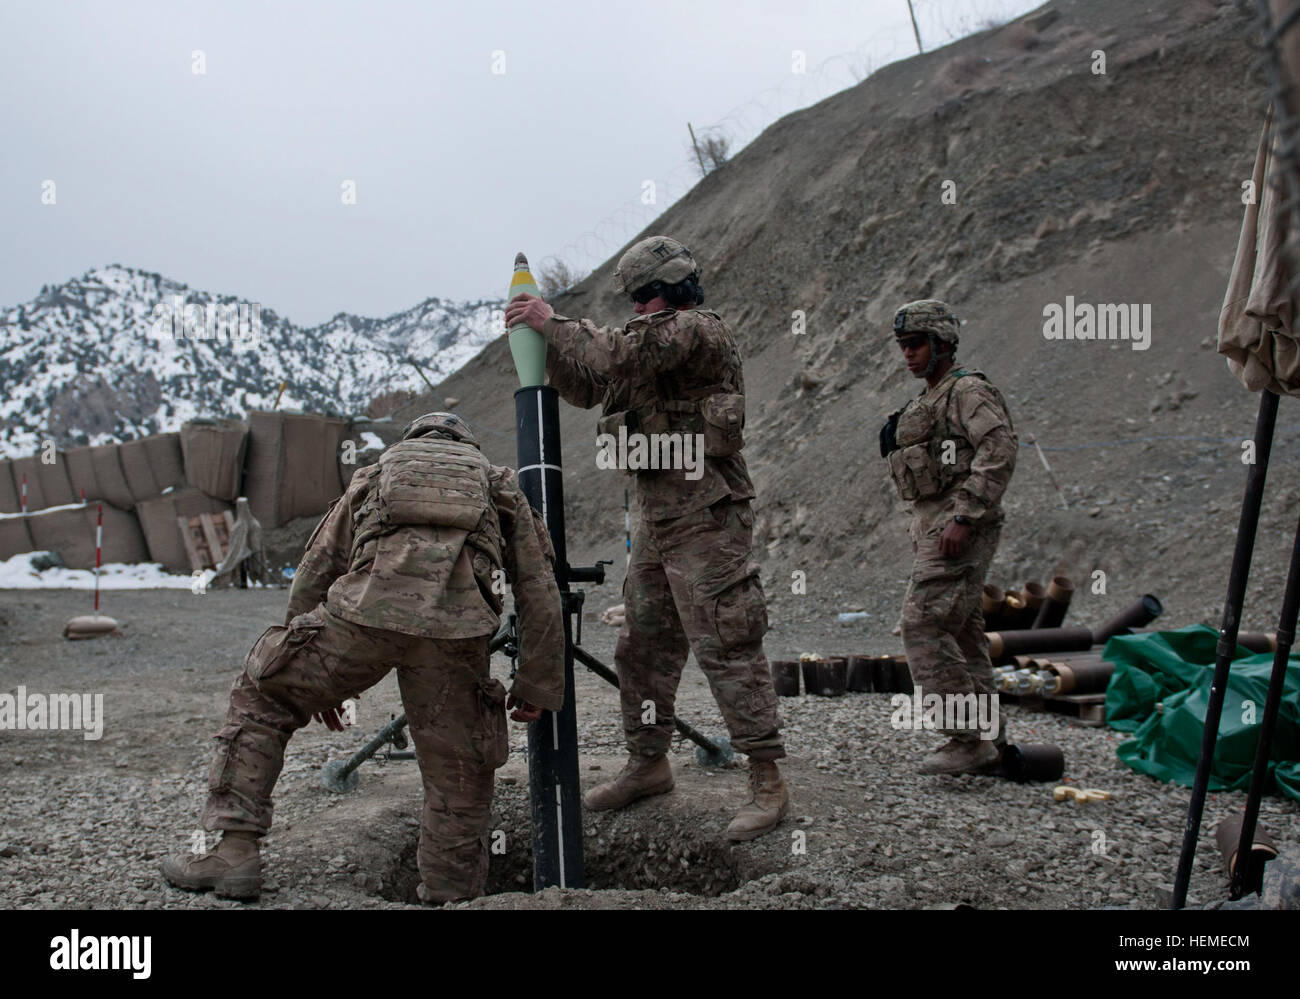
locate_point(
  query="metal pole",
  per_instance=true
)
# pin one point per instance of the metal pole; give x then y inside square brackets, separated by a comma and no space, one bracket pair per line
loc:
[915,30]
[1248,875]
[553,739]
[697,149]
[1227,645]
[605,673]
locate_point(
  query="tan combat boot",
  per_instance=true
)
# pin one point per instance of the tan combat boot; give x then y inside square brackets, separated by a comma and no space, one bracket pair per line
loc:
[232,870]
[769,800]
[640,777]
[957,757]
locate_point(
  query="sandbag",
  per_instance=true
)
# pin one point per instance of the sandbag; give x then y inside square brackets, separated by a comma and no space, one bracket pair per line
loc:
[81,474]
[35,495]
[8,495]
[162,534]
[213,453]
[165,461]
[14,536]
[292,468]
[71,533]
[135,466]
[111,478]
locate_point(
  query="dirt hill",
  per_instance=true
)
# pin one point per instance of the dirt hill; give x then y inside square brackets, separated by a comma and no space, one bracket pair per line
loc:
[1122,187]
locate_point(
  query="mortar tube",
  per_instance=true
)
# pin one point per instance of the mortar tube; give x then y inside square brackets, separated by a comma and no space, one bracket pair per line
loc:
[1138,614]
[1055,603]
[1005,644]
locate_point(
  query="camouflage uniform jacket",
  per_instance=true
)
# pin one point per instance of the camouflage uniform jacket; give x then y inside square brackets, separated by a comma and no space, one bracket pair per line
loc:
[661,356]
[966,409]
[437,582]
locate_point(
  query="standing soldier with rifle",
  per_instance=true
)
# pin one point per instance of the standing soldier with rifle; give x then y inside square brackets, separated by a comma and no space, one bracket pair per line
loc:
[692,582]
[951,452]
[401,573]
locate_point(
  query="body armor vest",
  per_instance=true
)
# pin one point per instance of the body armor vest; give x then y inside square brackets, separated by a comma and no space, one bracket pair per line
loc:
[921,436]
[431,482]
[683,404]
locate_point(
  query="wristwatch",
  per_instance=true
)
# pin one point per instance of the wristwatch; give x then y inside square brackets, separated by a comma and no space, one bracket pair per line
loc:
[964,521]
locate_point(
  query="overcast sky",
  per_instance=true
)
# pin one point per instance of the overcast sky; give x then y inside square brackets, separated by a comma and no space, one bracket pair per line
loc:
[470,131]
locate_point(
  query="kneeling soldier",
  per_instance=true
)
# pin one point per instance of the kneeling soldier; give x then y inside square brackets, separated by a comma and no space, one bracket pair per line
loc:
[398,575]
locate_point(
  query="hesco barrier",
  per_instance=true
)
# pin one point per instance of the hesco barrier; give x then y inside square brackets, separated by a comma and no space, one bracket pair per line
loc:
[71,533]
[135,467]
[81,474]
[111,478]
[292,468]
[14,536]
[8,495]
[55,483]
[162,534]
[165,461]
[213,454]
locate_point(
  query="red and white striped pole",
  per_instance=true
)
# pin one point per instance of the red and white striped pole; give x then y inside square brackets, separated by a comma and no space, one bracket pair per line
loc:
[83,497]
[99,539]
[24,493]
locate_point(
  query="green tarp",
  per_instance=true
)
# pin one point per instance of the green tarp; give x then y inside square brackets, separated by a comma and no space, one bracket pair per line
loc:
[1176,668]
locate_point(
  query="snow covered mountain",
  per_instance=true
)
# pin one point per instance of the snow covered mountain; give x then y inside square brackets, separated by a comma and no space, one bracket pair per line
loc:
[121,353]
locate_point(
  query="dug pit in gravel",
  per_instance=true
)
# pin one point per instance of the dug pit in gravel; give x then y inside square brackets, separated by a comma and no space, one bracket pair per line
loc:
[673,841]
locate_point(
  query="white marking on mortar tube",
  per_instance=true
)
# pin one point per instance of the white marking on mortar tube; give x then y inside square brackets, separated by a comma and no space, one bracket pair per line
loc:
[541,455]
[559,825]
[529,468]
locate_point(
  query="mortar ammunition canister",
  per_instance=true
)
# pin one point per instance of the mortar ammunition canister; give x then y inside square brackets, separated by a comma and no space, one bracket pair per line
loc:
[1033,762]
[1032,596]
[1003,645]
[859,679]
[1257,641]
[785,677]
[1056,602]
[1138,614]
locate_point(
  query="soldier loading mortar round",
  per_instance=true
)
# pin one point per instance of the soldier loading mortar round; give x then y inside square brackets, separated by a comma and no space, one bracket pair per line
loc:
[692,582]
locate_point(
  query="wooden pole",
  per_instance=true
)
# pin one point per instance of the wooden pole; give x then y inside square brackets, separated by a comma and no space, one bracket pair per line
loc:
[697,149]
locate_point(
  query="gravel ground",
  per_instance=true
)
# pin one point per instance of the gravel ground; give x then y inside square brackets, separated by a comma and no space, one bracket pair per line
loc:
[85,823]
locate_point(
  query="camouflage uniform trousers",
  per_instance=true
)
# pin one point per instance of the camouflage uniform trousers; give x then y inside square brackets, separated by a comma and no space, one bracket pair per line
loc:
[457,722]
[943,619]
[692,585]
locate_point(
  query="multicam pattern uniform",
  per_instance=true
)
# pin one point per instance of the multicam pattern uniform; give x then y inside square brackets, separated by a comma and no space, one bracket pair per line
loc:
[692,583]
[943,623]
[418,599]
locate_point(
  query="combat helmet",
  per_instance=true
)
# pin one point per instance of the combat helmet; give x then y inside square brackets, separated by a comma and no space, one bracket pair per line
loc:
[657,258]
[935,320]
[446,424]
